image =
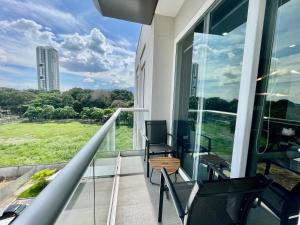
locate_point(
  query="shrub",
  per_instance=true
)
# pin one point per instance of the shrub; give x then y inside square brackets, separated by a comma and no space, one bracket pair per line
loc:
[86,113]
[65,113]
[34,190]
[97,114]
[47,112]
[119,104]
[40,182]
[43,174]
[108,112]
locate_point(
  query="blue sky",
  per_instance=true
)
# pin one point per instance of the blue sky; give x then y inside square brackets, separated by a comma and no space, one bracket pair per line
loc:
[95,51]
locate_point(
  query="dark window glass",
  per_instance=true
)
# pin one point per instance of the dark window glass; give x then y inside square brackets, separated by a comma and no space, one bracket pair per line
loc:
[275,138]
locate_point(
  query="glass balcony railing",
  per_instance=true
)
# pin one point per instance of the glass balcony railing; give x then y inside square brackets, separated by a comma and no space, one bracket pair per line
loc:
[82,192]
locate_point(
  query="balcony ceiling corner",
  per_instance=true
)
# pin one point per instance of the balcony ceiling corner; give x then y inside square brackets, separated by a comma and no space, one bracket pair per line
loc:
[139,11]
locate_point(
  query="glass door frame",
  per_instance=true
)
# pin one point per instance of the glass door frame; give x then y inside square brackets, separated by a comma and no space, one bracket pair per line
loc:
[252,45]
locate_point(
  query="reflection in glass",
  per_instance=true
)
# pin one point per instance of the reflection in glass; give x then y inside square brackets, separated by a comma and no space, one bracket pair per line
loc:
[208,89]
[276,131]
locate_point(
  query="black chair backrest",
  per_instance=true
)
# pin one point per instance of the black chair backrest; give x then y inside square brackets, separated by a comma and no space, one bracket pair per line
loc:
[223,202]
[285,204]
[156,131]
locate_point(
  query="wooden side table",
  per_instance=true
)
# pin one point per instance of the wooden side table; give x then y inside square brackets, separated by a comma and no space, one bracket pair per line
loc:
[169,163]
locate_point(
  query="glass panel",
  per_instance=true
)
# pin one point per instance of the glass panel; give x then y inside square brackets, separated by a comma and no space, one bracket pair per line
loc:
[275,141]
[221,78]
[90,202]
[124,131]
[209,77]
[139,130]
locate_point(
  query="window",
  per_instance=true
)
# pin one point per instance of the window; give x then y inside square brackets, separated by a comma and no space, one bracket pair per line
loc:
[208,80]
[275,137]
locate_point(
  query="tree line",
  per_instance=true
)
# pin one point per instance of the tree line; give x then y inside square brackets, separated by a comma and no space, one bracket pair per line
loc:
[74,103]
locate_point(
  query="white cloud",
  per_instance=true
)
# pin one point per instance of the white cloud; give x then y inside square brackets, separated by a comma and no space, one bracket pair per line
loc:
[88,80]
[46,13]
[79,54]
[3,57]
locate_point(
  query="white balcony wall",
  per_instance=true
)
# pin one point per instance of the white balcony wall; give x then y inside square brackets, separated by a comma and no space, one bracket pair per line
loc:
[162,70]
[155,56]
[144,67]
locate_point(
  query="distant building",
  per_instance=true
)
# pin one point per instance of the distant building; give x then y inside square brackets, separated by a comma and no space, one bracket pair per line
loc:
[194,80]
[47,68]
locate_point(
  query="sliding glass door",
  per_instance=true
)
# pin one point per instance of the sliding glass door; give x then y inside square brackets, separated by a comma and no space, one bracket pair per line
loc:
[209,65]
[275,135]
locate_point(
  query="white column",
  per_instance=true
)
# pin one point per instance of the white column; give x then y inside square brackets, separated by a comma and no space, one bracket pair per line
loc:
[254,28]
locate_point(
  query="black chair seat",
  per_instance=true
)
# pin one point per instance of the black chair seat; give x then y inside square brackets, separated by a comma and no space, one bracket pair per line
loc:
[160,148]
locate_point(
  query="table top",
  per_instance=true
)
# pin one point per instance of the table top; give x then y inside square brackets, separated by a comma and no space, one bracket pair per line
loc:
[169,163]
[215,160]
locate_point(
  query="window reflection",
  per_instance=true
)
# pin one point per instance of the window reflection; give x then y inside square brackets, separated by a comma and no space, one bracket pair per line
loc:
[220,54]
[210,71]
[276,130]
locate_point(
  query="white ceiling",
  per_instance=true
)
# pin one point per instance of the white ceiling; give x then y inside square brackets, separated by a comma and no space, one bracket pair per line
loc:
[168,7]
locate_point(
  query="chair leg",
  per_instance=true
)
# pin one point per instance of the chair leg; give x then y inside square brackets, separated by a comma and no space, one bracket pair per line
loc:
[148,166]
[161,197]
[211,174]
[151,176]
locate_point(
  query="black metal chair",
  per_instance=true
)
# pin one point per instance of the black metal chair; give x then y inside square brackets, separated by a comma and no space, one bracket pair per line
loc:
[283,203]
[222,202]
[157,140]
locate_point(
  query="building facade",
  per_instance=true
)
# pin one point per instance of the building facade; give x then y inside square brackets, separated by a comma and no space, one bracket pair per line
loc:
[47,68]
[226,77]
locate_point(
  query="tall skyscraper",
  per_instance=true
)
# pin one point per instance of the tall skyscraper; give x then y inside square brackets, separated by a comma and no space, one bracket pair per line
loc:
[47,68]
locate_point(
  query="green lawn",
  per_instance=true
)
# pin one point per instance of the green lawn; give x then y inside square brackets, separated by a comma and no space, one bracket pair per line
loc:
[222,138]
[48,142]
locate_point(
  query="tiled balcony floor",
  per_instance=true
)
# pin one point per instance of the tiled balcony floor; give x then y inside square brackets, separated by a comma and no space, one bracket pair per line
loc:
[138,198]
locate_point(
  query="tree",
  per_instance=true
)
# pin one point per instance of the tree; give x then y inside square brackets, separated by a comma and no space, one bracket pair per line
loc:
[119,104]
[121,94]
[67,99]
[216,103]
[47,112]
[65,113]
[68,112]
[101,99]
[193,102]
[82,98]
[30,113]
[58,114]
[86,113]
[33,113]
[12,99]
[97,114]
[108,113]
[48,98]
[126,118]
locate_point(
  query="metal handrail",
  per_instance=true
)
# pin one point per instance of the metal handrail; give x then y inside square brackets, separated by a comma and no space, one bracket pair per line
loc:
[48,205]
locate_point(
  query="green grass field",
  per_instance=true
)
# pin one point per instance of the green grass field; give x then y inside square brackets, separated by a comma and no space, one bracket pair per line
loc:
[222,138]
[31,143]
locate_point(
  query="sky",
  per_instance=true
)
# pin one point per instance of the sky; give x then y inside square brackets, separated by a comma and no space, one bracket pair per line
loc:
[95,52]
[222,57]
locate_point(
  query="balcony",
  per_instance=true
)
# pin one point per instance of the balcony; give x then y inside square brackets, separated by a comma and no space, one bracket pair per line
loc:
[105,184]
[102,184]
